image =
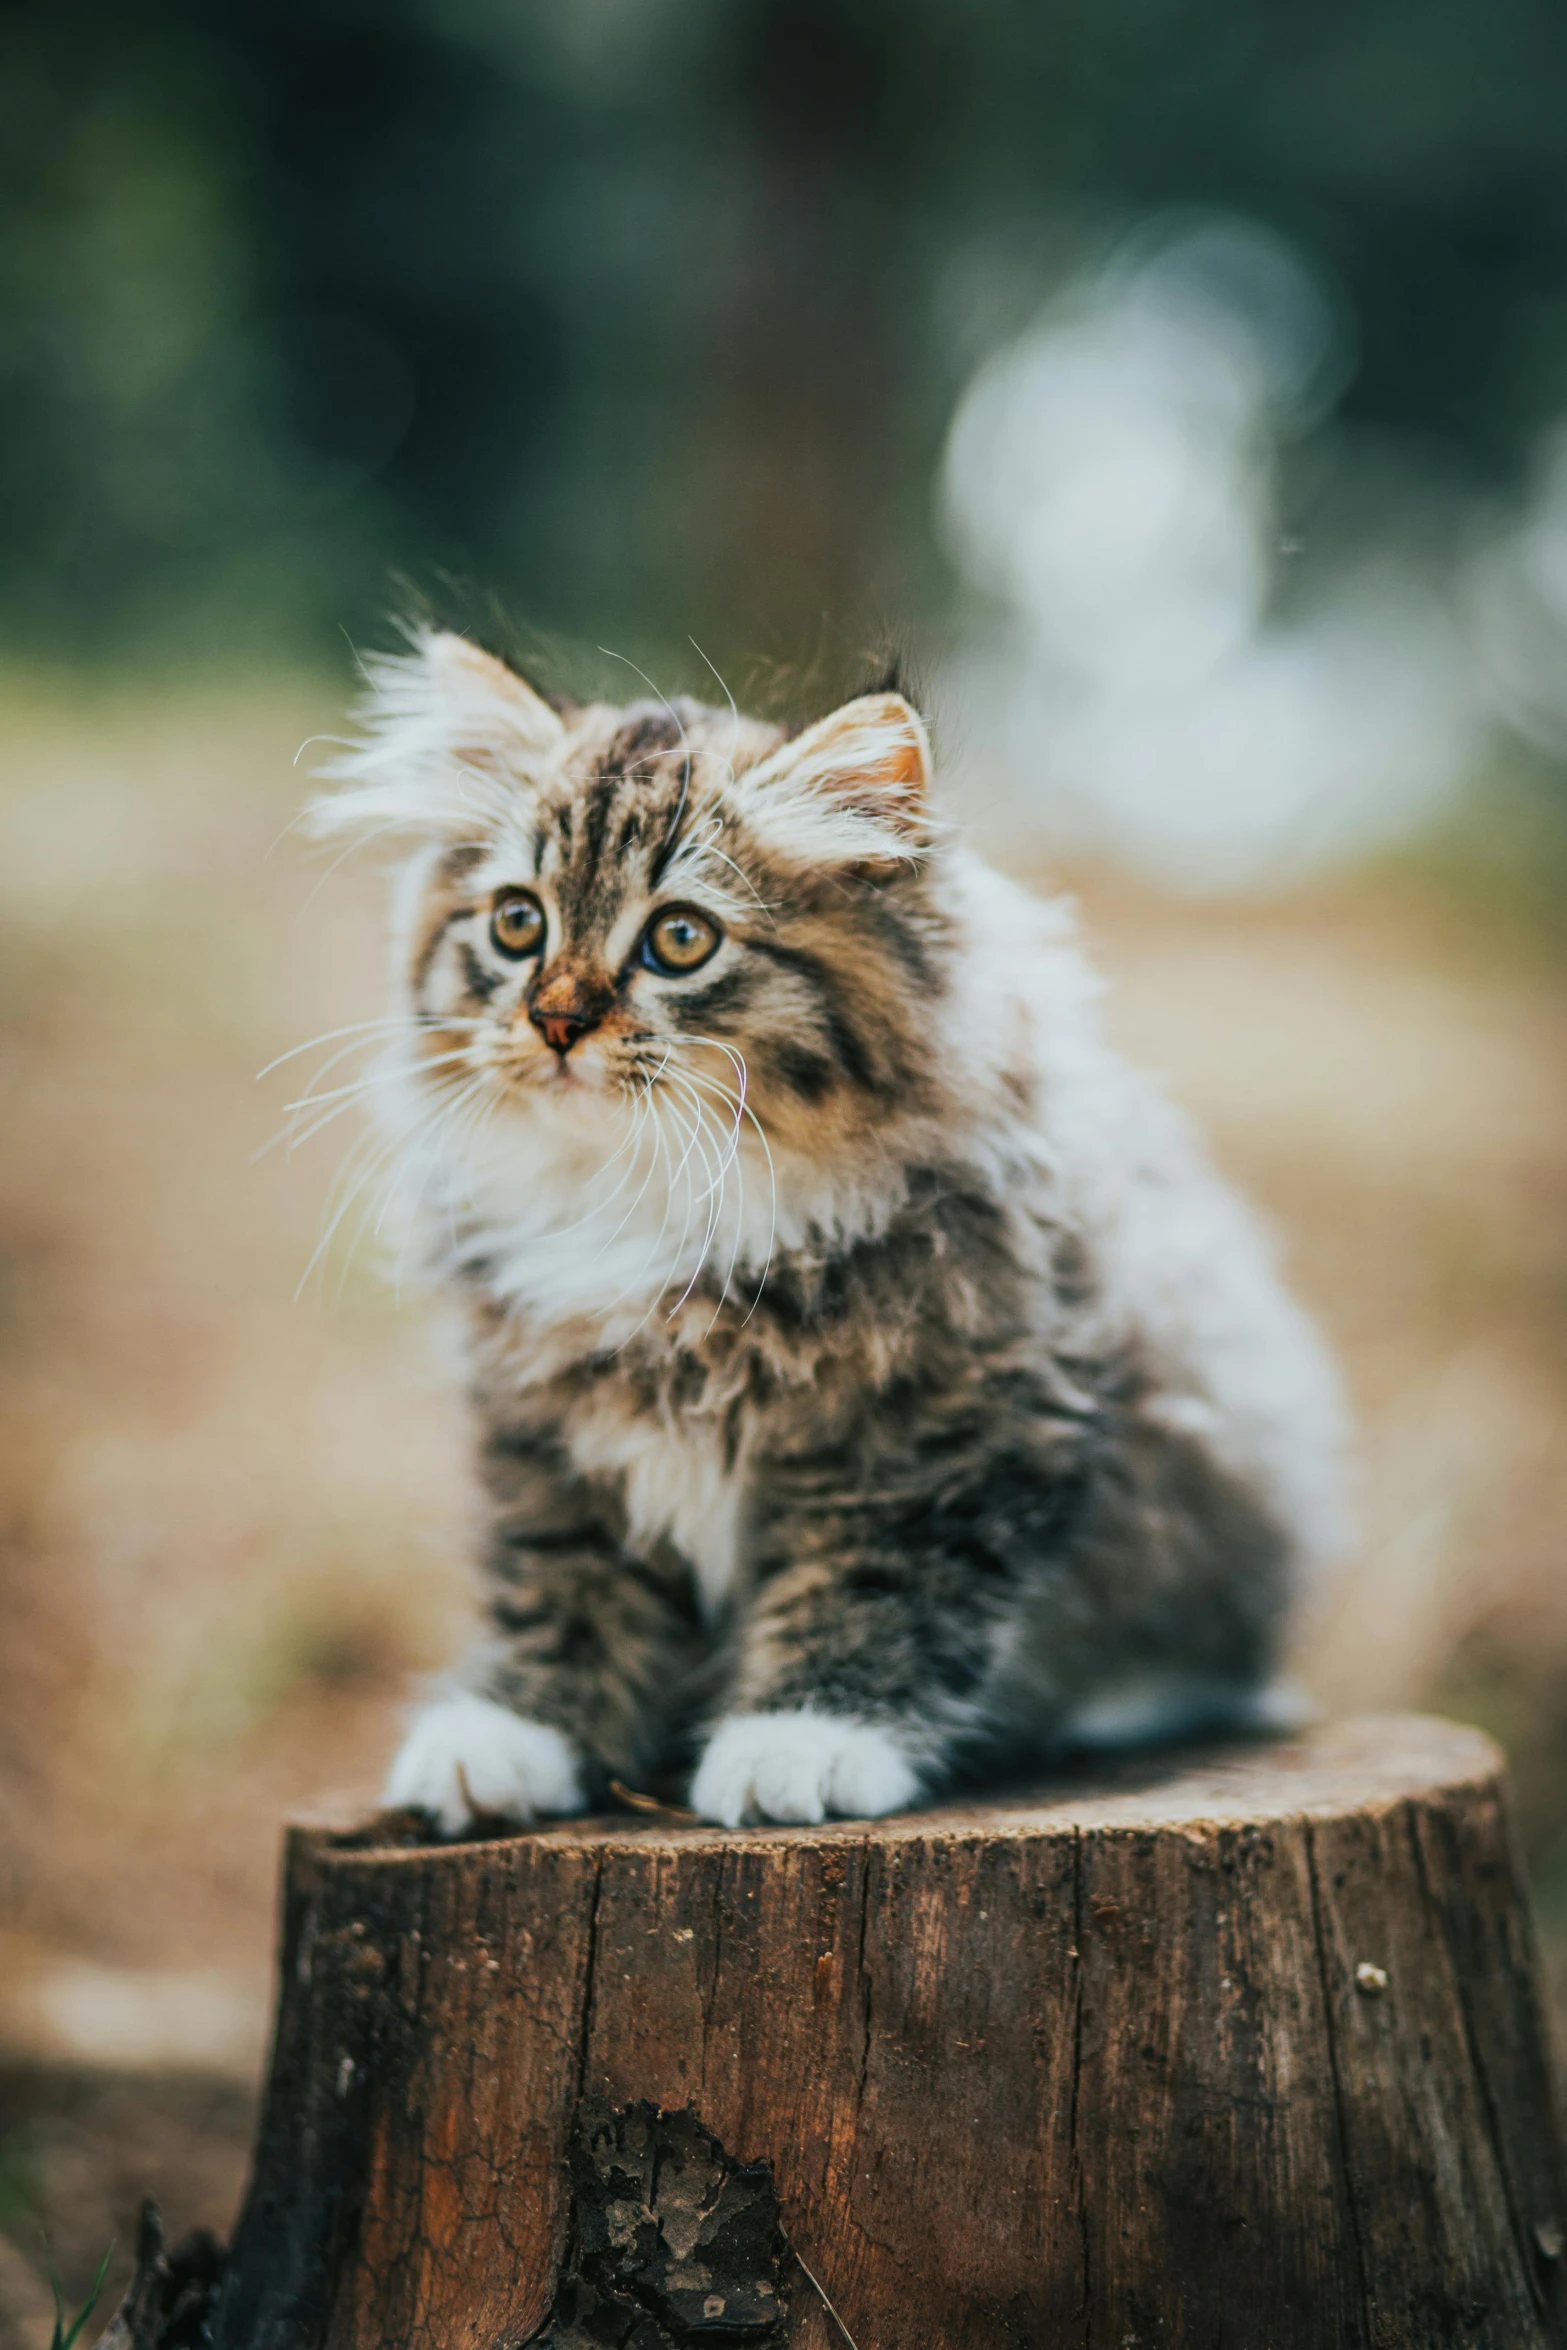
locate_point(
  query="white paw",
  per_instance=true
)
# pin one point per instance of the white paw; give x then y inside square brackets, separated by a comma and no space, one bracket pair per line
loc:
[801,1766]
[464,1755]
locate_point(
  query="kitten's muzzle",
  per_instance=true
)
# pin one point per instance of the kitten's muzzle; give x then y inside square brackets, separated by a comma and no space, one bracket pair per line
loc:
[564,1008]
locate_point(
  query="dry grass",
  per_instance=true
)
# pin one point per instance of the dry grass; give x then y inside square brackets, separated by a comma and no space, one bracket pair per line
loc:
[233,1523]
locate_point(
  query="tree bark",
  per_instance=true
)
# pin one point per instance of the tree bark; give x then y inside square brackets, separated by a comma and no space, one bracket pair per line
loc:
[1242,2048]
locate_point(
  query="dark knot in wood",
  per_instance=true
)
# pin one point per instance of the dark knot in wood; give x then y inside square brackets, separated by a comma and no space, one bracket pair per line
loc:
[672,2241]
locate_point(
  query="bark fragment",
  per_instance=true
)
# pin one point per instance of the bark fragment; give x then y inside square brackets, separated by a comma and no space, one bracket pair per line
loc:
[171,2297]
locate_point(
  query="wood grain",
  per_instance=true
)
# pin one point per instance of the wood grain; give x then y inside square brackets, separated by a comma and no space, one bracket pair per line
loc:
[1241,2047]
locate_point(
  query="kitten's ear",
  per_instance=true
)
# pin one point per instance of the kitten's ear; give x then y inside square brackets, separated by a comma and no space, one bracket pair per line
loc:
[444,726]
[851,790]
[489,708]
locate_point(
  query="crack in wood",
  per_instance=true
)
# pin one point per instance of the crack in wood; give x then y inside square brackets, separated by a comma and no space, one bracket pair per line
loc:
[1330,2023]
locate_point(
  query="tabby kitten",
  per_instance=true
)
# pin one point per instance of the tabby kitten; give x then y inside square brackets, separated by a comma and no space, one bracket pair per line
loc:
[874,1384]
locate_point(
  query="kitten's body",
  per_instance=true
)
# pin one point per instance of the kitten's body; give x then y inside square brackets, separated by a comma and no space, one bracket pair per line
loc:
[875,1381]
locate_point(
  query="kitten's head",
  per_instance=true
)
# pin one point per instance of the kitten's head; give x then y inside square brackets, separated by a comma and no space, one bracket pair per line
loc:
[607,908]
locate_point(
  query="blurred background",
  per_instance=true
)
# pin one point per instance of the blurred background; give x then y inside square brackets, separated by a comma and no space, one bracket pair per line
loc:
[1184,381]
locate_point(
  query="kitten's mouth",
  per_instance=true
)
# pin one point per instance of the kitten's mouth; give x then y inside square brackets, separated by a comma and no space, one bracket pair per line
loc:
[569,1075]
[552,1077]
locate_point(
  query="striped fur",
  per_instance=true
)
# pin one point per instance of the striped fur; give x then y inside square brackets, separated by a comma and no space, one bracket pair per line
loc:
[874,1382]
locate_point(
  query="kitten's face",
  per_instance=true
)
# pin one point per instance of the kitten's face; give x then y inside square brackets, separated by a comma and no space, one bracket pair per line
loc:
[588,929]
[661,903]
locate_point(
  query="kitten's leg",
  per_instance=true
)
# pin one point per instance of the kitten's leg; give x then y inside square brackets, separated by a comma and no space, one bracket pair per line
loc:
[846,1697]
[587,1645]
[951,1611]
[885,1599]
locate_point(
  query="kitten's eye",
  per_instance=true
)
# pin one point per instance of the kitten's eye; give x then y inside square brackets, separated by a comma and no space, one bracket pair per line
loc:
[517,923]
[680,939]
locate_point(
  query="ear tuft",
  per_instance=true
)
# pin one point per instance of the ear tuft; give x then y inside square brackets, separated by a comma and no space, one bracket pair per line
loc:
[492,708]
[447,732]
[852,790]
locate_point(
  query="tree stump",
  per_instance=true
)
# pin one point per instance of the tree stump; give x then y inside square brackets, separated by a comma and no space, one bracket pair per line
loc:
[1239,2047]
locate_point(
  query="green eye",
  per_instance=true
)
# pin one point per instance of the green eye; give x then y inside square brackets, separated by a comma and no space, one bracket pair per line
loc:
[517,924]
[680,940]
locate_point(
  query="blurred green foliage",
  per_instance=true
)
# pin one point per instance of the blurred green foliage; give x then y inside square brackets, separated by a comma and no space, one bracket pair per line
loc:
[633,308]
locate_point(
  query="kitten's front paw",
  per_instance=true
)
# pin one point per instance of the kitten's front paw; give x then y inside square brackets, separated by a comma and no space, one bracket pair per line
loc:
[801,1766]
[465,1755]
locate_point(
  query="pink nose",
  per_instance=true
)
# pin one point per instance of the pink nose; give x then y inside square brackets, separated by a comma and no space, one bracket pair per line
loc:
[560,1030]
[566,1004]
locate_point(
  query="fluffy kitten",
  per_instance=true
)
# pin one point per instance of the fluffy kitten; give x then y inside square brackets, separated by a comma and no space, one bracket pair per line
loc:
[874,1383]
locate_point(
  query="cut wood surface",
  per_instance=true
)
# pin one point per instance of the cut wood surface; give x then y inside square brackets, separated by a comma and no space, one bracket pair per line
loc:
[1240,2047]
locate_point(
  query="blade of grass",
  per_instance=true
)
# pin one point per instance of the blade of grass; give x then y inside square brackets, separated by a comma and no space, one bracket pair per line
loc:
[63,2337]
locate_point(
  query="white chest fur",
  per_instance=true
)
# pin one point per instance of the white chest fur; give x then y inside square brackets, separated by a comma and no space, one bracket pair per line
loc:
[676,1485]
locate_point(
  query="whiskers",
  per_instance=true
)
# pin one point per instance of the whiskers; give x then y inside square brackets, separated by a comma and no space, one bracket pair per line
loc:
[661,1211]
[450,1090]
[640,1223]
[412,1138]
[317,1105]
[711,1117]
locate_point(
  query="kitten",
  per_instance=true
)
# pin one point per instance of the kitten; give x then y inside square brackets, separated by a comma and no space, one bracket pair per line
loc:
[874,1384]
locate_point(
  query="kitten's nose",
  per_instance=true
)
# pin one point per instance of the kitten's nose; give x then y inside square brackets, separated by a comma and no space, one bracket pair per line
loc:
[560,1030]
[564,1009]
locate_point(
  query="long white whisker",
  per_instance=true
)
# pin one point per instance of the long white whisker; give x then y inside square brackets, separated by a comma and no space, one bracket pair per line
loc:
[735,1108]
[374,1151]
[712,849]
[716,1165]
[655,1251]
[649,1125]
[743,1108]
[310,1099]
[422,1135]
[437,1125]
[299,1130]
[630,1140]
[658,1238]
[734,715]
[683,1086]
[660,1153]
[473,1136]
[683,1169]
[737,1161]
[412,1022]
[376,1159]
[361,840]
[685,780]
[458,1131]
[718,1198]
[717,1175]
[734,1105]
[333,1060]
[629,1147]
[642,1114]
